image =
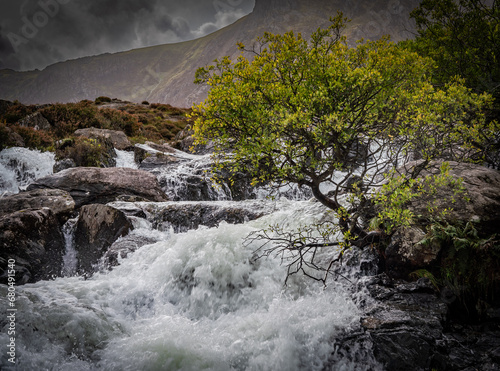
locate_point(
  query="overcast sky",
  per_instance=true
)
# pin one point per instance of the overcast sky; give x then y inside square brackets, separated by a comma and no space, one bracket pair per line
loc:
[37,33]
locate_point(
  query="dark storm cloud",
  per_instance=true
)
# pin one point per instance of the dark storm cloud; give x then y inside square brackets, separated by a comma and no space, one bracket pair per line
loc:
[36,33]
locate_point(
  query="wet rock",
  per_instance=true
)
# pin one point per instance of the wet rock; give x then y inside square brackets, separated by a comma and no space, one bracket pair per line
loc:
[35,121]
[151,156]
[34,239]
[117,138]
[183,216]
[406,253]
[66,163]
[58,201]
[97,185]
[190,216]
[406,326]
[122,247]
[97,228]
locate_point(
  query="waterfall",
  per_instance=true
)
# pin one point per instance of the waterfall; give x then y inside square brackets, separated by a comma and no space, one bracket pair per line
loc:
[21,166]
[125,159]
[70,260]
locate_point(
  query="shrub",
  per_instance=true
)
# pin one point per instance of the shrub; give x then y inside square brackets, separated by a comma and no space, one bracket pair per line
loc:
[86,152]
[34,139]
[102,99]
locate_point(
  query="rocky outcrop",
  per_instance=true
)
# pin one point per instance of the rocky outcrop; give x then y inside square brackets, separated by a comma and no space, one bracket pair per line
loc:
[35,121]
[407,327]
[117,138]
[97,228]
[58,201]
[34,240]
[88,185]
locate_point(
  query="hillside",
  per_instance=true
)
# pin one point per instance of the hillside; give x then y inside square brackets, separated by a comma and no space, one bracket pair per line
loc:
[165,73]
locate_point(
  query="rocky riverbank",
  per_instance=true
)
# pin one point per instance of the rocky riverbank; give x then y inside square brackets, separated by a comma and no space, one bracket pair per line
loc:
[414,316]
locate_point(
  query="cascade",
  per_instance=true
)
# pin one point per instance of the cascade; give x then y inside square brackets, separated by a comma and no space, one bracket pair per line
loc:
[125,159]
[21,166]
[70,257]
[193,298]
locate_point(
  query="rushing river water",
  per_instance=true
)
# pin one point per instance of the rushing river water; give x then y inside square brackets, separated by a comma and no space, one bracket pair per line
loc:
[196,300]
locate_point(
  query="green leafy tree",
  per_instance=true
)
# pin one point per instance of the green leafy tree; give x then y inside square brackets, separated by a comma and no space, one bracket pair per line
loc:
[335,119]
[463,37]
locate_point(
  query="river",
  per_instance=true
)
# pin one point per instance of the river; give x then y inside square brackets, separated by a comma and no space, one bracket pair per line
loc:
[196,300]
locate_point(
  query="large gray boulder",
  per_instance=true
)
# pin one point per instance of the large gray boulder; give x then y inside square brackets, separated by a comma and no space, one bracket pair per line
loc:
[60,202]
[102,185]
[479,204]
[118,138]
[34,240]
[97,228]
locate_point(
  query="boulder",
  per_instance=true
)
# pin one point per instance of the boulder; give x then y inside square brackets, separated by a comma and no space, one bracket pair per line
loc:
[405,252]
[32,238]
[124,246]
[480,203]
[58,201]
[89,185]
[151,156]
[35,121]
[97,228]
[66,163]
[118,138]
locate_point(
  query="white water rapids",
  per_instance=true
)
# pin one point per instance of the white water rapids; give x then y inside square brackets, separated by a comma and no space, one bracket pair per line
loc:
[190,301]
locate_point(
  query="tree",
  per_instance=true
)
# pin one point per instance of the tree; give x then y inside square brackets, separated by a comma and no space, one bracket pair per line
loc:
[463,37]
[335,119]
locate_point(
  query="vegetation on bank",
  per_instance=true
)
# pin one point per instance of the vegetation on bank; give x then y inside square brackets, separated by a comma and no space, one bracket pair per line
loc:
[140,122]
[339,120]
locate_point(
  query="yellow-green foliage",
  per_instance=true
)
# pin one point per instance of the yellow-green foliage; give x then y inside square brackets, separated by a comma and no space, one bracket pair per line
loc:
[295,112]
[394,197]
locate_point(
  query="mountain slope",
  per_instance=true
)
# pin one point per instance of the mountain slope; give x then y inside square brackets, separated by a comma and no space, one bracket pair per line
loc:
[165,73]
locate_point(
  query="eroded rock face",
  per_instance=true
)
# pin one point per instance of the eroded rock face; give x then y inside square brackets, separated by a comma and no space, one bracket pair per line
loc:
[102,185]
[34,239]
[97,228]
[58,201]
[118,138]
